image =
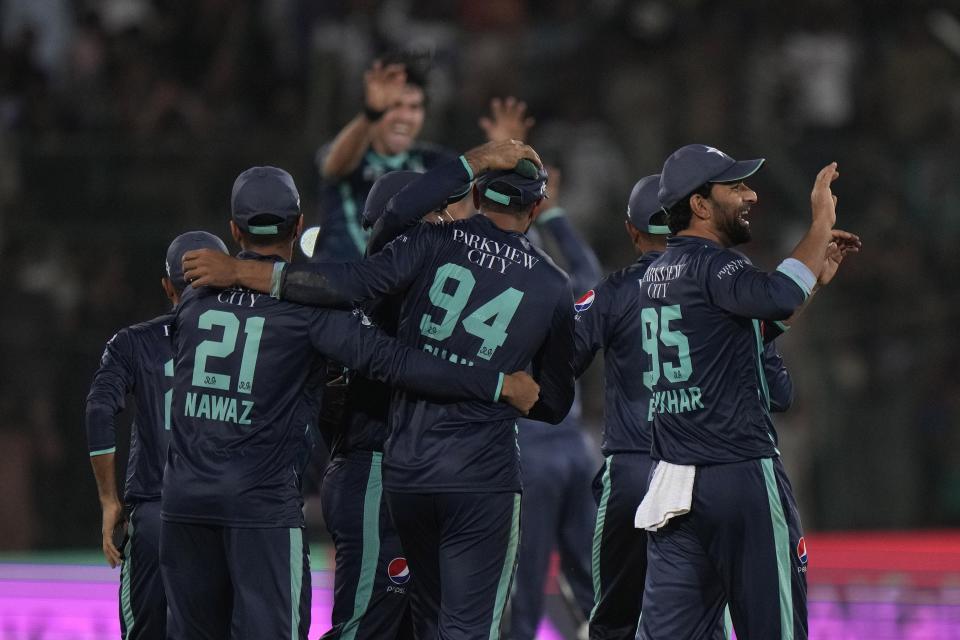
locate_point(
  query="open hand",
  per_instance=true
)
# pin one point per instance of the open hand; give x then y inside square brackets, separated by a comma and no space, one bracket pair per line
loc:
[841,244]
[209,268]
[822,200]
[520,390]
[383,85]
[502,154]
[508,120]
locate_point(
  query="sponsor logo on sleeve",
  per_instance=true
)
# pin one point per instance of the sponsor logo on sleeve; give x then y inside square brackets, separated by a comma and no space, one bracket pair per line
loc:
[585,301]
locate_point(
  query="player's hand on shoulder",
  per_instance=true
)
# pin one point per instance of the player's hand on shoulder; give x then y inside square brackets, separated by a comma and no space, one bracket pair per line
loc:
[822,201]
[209,268]
[520,390]
[383,85]
[508,120]
[498,155]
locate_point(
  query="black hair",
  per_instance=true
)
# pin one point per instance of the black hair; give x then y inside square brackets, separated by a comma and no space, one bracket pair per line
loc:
[416,63]
[514,209]
[679,215]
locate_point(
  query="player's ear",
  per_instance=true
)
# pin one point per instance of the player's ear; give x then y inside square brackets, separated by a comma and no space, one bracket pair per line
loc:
[170,290]
[699,207]
[235,232]
[299,227]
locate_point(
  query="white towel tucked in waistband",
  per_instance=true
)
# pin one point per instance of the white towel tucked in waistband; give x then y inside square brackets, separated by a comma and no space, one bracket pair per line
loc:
[669,495]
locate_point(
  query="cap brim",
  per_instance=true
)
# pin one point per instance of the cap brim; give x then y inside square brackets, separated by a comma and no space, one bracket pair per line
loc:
[739,171]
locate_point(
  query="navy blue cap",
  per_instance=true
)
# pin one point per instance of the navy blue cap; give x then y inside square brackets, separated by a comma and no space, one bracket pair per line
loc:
[188,242]
[264,201]
[695,165]
[389,185]
[524,184]
[644,210]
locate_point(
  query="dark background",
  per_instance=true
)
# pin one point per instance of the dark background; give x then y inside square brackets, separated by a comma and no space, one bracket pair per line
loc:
[124,122]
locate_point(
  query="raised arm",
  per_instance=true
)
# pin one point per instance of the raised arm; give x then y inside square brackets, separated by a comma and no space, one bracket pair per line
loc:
[107,397]
[430,191]
[383,85]
[581,262]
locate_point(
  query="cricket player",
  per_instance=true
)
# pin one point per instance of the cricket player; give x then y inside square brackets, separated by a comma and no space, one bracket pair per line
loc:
[383,138]
[232,554]
[724,523]
[372,578]
[609,319]
[138,361]
[477,292]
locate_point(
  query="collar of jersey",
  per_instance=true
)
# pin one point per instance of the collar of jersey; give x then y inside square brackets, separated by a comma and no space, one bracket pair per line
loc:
[253,255]
[680,241]
[389,162]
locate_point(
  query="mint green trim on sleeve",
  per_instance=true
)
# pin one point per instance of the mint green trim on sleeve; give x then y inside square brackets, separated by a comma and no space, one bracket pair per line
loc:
[780,325]
[351,215]
[466,165]
[276,278]
[800,274]
[550,214]
[102,452]
[496,394]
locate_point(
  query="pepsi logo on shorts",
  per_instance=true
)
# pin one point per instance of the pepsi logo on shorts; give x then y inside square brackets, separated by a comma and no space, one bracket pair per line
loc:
[802,550]
[398,571]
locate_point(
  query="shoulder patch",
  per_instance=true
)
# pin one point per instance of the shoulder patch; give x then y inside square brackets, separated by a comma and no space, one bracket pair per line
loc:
[585,301]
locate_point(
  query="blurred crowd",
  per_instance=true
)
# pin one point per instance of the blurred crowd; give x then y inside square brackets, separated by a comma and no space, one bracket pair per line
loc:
[122,123]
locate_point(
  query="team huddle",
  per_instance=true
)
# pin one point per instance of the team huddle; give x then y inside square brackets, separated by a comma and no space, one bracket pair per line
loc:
[433,346]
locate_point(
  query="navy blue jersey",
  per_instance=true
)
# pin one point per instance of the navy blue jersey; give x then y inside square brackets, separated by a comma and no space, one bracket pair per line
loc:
[701,308]
[608,319]
[475,294]
[360,420]
[138,360]
[244,399]
[342,199]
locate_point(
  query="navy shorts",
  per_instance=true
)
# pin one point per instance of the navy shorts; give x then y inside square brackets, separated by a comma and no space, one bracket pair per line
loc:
[619,550]
[558,512]
[463,546]
[143,606]
[235,583]
[741,541]
[371,581]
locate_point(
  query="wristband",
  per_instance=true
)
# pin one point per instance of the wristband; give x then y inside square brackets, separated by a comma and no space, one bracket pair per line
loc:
[372,115]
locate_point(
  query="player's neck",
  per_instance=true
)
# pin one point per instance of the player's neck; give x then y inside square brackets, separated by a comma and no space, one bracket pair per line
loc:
[285,251]
[507,222]
[703,232]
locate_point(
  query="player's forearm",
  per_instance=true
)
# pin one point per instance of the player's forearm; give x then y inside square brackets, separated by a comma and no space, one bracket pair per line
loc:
[812,248]
[584,268]
[427,193]
[104,472]
[255,274]
[347,148]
